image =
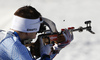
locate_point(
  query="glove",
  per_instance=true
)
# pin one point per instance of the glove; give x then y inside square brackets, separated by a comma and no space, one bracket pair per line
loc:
[45,49]
[68,36]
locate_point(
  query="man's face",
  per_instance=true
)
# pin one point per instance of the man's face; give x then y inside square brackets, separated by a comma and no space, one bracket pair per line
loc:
[31,35]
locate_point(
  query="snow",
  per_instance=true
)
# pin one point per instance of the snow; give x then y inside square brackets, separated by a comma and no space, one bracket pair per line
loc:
[85,45]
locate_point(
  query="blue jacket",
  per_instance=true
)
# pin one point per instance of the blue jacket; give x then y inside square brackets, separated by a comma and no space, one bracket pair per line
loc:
[12,49]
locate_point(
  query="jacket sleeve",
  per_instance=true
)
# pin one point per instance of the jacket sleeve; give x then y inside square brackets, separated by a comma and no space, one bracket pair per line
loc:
[20,52]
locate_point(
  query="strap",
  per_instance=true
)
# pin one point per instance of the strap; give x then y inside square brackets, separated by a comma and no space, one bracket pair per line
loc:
[16,34]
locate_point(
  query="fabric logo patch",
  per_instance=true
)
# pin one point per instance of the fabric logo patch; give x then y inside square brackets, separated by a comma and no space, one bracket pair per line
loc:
[31,29]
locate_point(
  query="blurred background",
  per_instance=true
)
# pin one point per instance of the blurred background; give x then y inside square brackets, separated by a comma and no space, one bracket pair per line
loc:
[65,13]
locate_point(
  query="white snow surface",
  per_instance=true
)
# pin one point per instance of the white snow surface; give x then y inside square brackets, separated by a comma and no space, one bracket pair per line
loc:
[85,46]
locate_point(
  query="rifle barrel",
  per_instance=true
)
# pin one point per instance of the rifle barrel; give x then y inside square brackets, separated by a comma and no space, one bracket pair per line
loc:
[79,29]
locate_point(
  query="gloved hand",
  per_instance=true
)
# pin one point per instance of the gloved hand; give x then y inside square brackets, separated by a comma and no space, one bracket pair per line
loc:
[45,49]
[68,35]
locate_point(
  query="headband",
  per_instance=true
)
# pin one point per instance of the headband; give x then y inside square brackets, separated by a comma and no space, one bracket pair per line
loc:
[26,25]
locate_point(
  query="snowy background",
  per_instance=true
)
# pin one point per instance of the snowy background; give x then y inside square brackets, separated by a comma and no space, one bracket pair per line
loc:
[85,45]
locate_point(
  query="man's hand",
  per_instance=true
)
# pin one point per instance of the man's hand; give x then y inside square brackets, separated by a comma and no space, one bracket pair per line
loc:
[68,35]
[44,49]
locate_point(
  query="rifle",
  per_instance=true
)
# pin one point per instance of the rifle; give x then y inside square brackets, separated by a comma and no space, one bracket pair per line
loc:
[53,37]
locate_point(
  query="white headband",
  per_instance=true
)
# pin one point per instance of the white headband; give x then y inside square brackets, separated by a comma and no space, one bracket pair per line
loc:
[26,25]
